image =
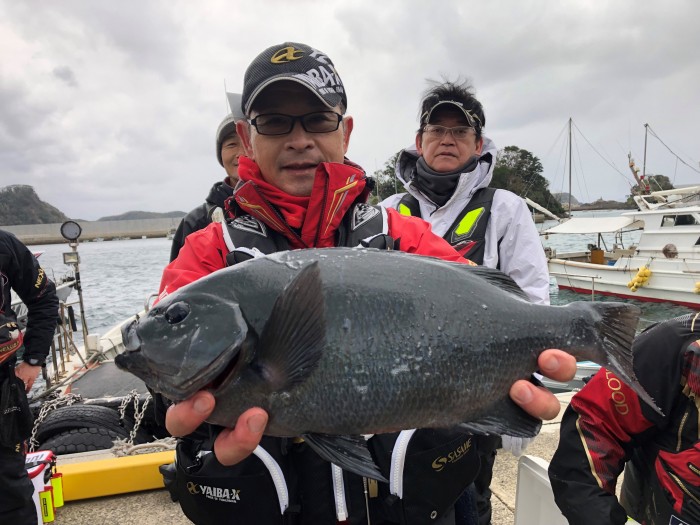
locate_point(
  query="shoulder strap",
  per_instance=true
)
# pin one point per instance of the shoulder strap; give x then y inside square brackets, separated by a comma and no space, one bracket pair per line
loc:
[409,205]
[247,237]
[469,229]
[367,226]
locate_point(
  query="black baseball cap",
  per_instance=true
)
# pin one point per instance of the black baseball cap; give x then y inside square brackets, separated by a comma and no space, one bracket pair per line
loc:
[296,62]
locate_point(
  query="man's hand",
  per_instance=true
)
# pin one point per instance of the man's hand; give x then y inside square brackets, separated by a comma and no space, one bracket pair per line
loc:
[28,374]
[538,401]
[233,444]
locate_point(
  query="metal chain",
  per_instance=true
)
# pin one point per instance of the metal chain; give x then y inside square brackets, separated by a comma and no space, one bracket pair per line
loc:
[139,412]
[46,407]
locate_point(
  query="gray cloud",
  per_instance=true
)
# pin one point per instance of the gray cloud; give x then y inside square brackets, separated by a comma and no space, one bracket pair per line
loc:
[66,74]
[109,107]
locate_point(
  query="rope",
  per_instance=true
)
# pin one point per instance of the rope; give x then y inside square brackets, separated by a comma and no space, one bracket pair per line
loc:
[669,149]
[123,448]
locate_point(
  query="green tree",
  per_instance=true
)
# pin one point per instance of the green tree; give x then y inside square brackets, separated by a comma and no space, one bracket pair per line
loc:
[386,182]
[653,182]
[519,171]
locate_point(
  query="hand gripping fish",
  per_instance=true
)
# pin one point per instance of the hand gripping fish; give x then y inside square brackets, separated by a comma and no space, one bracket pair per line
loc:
[339,342]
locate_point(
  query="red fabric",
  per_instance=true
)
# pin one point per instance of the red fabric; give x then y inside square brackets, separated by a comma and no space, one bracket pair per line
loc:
[293,208]
[672,469]
[610,414]
[336,188]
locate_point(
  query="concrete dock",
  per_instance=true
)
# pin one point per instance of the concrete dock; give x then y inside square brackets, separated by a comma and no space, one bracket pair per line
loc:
[155,507]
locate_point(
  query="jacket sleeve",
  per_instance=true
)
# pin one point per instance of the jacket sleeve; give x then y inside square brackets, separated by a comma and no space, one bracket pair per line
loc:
[520,253]
[603,424]
[38,293]
[204,252]
[195,220]
[178,240]
[416,236]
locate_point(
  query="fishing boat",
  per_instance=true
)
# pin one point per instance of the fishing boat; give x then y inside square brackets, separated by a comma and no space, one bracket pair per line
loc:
[663,266]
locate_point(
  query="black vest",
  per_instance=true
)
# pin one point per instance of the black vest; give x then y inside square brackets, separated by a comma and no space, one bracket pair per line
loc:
[363,226]
[468,232]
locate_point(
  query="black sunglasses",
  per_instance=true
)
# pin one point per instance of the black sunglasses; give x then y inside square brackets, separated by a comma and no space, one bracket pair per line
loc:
[279,124]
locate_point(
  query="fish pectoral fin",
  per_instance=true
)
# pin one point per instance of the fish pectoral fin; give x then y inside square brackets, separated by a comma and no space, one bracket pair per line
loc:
[348,452]
[292,341]
[505,417]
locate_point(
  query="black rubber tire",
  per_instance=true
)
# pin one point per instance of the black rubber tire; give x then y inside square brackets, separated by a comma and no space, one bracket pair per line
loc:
[87,416]
[81,440]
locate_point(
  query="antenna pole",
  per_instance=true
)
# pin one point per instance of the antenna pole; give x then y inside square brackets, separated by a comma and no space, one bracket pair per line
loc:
[569,166]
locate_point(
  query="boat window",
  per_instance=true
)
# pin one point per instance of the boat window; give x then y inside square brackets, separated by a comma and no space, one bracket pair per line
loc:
[678,220]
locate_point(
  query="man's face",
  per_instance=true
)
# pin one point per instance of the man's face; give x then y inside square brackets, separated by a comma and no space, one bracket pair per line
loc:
[231,149]
[448,154]
[289,161]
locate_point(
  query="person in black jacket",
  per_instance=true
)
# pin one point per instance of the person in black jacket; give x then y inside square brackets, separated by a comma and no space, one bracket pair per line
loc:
[228,149]
[20,271]
[607,428]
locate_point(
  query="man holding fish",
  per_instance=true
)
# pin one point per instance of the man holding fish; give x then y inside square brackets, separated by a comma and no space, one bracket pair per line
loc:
[298,191]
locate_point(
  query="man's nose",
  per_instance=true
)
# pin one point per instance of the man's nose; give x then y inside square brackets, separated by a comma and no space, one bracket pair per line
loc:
[448,137]
[299,137]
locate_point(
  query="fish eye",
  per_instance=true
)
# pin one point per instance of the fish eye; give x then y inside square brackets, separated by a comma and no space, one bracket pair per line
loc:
[177,312]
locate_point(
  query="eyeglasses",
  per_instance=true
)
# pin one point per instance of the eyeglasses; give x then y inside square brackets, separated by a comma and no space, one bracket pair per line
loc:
[435,131]
[278,124]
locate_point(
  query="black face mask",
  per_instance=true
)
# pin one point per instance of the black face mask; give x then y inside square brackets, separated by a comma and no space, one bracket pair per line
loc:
[439,187]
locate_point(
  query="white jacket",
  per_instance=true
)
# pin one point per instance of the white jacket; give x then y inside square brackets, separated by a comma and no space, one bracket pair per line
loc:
[511,236]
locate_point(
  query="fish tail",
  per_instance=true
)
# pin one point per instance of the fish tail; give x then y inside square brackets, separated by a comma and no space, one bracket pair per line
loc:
[614,327]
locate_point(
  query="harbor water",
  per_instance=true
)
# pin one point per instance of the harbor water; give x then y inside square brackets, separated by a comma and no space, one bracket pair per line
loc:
[119,276]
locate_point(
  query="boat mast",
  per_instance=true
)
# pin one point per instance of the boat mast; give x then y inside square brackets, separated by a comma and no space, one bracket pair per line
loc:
[569,166]
[646,189]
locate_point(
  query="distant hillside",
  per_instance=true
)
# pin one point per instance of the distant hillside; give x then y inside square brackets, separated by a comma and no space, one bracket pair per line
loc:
[19,204]
[564,198]
[137,215]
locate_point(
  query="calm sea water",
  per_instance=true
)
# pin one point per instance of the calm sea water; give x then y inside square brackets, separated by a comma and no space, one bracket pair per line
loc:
[118,276]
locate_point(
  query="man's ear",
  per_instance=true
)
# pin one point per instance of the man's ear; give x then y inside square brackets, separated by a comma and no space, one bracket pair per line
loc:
[419,141]
[244,131]
[479,145]
[348,125]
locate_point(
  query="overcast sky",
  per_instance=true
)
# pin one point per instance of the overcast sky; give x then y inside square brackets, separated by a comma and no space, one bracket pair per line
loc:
[107,107]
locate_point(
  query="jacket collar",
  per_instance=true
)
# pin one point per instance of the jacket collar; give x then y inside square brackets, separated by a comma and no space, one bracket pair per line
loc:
[336,188]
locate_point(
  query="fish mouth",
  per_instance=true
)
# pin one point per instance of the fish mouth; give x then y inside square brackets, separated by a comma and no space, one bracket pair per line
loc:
[232,369]
[214,376]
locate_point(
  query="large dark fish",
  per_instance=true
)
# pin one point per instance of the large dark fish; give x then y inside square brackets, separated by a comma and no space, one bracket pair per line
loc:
[339,342]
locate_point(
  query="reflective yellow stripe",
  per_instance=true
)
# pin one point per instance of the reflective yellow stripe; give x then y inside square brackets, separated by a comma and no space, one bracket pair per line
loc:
[404,210]
[466,225]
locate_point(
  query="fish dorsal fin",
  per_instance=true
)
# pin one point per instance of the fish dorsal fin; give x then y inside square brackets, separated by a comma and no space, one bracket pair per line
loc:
[348,452]
[499,279]
[294,335]
[505,417]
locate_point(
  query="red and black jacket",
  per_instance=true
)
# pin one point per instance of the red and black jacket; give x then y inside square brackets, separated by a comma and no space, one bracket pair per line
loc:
[337,188]
[606,427]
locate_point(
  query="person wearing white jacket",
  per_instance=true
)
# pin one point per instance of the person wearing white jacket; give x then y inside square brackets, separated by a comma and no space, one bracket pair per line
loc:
[447,173]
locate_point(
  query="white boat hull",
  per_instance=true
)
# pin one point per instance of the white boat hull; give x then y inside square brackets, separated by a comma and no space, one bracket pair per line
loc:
[673,283]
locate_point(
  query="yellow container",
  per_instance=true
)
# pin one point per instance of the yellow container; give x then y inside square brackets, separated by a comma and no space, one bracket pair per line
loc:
[46,503]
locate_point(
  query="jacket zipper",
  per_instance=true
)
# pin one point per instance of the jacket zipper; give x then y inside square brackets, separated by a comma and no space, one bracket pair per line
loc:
[692,398]
[682,486]
[341,506]
[398,459]
[323,211]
